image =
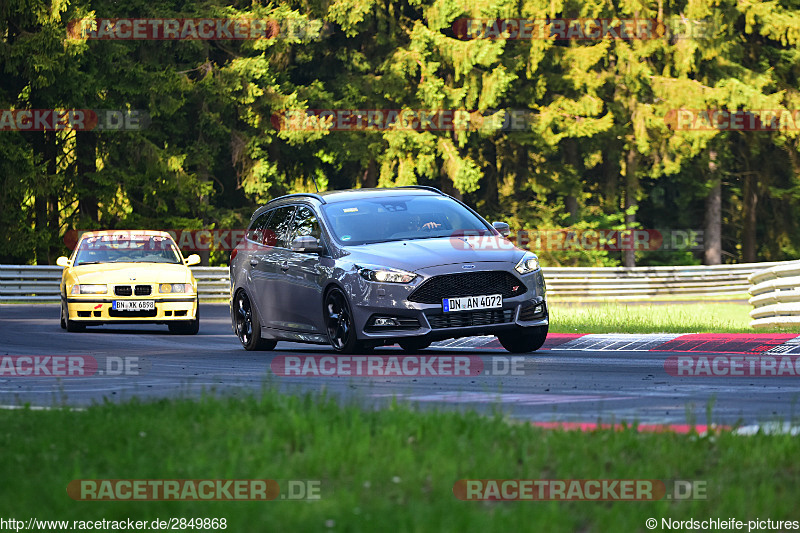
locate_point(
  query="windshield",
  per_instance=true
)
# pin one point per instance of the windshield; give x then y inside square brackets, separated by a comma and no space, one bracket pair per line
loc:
[127,249]
[398,218]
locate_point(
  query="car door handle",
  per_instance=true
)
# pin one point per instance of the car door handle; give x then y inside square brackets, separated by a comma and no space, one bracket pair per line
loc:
[253,262]
[285,266]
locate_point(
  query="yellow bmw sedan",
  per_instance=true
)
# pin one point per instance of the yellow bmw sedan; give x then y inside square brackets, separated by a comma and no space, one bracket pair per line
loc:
[134,276]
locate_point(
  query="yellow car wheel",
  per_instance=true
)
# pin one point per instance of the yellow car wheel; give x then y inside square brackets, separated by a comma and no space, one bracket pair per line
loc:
[187,327]
[68,324]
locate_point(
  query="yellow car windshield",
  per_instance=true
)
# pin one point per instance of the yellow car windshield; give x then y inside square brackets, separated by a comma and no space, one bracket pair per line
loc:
[127,249]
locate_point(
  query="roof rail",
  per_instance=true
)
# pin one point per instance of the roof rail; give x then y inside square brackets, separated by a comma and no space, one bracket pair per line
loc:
[425,187]
[294,195]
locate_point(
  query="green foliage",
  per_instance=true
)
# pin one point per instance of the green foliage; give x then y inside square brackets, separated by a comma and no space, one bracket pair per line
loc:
[215,148]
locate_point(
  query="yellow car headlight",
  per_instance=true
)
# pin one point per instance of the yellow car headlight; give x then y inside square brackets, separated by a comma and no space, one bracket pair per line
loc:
[180,288]
[89,289]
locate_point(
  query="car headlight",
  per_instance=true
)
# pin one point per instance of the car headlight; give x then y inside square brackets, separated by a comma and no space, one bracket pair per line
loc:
[89,289]
[527,264]
[386,275]
[175,287]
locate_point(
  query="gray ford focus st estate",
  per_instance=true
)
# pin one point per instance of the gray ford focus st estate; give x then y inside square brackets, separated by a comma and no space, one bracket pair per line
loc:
[363,268]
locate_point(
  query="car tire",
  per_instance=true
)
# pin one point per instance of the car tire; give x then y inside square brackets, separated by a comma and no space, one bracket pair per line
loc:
[340,325]
[527,340]
[248,326]
[68,324]
[413,345]
[187,327]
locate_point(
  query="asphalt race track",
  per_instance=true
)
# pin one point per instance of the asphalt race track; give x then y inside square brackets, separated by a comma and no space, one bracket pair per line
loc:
[621,379]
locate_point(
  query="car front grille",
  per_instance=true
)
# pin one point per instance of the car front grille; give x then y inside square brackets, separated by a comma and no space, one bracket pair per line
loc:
[123,290]
[433,290]
[471,318]
[138,290]
[142,290]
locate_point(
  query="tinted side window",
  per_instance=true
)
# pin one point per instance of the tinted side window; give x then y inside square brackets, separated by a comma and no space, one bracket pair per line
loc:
[256,231]
[277,229]
[305,223]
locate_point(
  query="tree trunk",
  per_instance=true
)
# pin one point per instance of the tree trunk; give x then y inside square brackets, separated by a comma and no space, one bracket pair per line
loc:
[40,207]
[44,152]
[571,158]
[370,178]
[611,172]
[750,203]
[571,204]
[86,154]
[53,218]
[447,187]
[631,189]
[521,170]
[491,178]
[712,238]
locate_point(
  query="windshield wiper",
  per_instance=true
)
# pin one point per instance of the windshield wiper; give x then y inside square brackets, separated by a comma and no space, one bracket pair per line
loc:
[428,237]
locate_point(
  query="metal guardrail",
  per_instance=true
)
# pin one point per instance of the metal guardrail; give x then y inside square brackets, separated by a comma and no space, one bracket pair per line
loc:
[20,283]
[41,283]
[776,296]
[620,283]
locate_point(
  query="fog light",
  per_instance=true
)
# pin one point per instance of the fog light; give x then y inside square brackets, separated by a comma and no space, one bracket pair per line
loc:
[537,309]
[386,322]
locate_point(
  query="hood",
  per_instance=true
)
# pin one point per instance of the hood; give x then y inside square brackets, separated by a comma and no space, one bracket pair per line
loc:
[121,273]
[413,255]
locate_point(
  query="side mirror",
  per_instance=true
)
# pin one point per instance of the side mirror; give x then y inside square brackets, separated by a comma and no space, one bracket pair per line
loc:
[63,261]
[306,244]
[193,259]
[502,227]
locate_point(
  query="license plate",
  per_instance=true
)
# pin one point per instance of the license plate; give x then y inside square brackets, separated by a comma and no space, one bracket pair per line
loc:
[471,303]
[133,305]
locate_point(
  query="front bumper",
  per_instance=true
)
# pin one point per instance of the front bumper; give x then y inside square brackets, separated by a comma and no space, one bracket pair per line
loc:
[430,322]
[434,325]
[98,310]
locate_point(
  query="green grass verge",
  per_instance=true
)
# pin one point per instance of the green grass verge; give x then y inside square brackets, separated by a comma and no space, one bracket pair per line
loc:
[388,470]
[657,318]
